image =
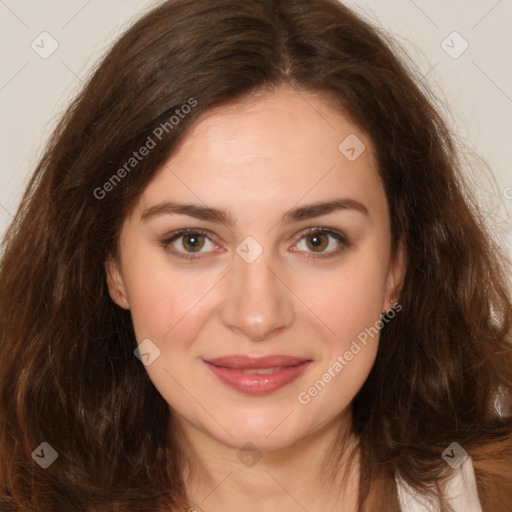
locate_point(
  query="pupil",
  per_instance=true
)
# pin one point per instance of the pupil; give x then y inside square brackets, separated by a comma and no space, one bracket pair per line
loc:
[192,242]
[316,241]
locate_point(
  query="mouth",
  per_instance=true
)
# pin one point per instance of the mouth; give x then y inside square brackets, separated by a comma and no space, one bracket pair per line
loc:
[257,375]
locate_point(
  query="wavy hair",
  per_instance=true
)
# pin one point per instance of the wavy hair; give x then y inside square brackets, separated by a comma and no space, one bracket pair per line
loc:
[68,375]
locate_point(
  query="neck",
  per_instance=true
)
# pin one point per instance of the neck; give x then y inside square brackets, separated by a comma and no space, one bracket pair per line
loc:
[314,473]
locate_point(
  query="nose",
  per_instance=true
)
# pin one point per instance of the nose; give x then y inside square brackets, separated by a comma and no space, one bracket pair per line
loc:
[258,304]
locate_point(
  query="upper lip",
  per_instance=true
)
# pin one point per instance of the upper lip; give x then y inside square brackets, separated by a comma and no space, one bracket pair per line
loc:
[240,362]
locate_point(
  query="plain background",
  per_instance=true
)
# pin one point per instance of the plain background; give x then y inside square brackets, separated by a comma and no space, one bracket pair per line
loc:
[474,87]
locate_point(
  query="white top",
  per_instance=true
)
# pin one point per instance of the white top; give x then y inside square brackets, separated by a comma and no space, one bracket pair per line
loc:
[461,491]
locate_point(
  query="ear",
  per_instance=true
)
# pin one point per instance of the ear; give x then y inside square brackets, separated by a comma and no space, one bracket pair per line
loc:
[115,283]
[395,279]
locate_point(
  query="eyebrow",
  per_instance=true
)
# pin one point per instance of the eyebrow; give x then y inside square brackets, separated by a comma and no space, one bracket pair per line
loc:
[222,217]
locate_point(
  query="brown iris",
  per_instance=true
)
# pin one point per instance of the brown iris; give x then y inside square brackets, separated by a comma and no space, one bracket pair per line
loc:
[193,242]
[319,241]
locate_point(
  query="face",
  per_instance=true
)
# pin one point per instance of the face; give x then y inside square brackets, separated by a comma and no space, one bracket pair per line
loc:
[252,313]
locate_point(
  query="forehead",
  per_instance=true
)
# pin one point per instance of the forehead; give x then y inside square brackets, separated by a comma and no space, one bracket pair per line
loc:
[272,148]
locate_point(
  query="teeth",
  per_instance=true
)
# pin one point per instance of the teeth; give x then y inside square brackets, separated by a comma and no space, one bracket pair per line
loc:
[261,371]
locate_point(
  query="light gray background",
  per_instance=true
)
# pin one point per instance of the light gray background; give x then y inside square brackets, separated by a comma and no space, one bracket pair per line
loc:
[475,88]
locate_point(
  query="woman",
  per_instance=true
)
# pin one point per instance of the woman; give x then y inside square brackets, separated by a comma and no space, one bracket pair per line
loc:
[247,275]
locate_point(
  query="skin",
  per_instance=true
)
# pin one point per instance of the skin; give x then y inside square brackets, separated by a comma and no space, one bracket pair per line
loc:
[257,159]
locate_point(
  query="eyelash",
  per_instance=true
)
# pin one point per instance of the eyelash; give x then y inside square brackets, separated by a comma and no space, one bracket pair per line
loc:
[337,235]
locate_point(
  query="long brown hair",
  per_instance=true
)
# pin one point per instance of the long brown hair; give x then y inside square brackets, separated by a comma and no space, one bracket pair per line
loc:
[67,370]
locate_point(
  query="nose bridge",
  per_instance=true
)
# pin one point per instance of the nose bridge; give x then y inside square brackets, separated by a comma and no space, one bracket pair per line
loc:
[257,303]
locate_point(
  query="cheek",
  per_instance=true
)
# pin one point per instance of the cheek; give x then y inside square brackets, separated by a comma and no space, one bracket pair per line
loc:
[170,309]
[349,303]
[349,298]
[349,306]
[161,300]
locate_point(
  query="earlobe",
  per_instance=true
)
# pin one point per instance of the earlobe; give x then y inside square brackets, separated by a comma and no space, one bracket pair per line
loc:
[115,284]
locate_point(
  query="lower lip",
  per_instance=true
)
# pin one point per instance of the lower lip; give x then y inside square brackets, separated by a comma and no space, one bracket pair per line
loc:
[257,384]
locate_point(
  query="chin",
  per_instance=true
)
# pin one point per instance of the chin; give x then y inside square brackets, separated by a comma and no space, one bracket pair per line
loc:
[267,432]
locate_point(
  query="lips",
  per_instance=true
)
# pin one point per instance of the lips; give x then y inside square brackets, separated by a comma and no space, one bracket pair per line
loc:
[257,375]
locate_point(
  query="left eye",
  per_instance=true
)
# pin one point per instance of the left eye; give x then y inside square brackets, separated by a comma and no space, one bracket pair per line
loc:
[320,242]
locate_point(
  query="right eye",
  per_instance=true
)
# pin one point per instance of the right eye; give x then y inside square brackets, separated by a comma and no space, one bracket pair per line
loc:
[187,243]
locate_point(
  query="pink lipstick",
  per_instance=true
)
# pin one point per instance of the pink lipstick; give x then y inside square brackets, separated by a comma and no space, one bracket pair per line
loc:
[257,375]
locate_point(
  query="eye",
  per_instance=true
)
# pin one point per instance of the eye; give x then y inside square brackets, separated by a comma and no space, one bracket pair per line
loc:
[186,243]
[322,242]
[317,242]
